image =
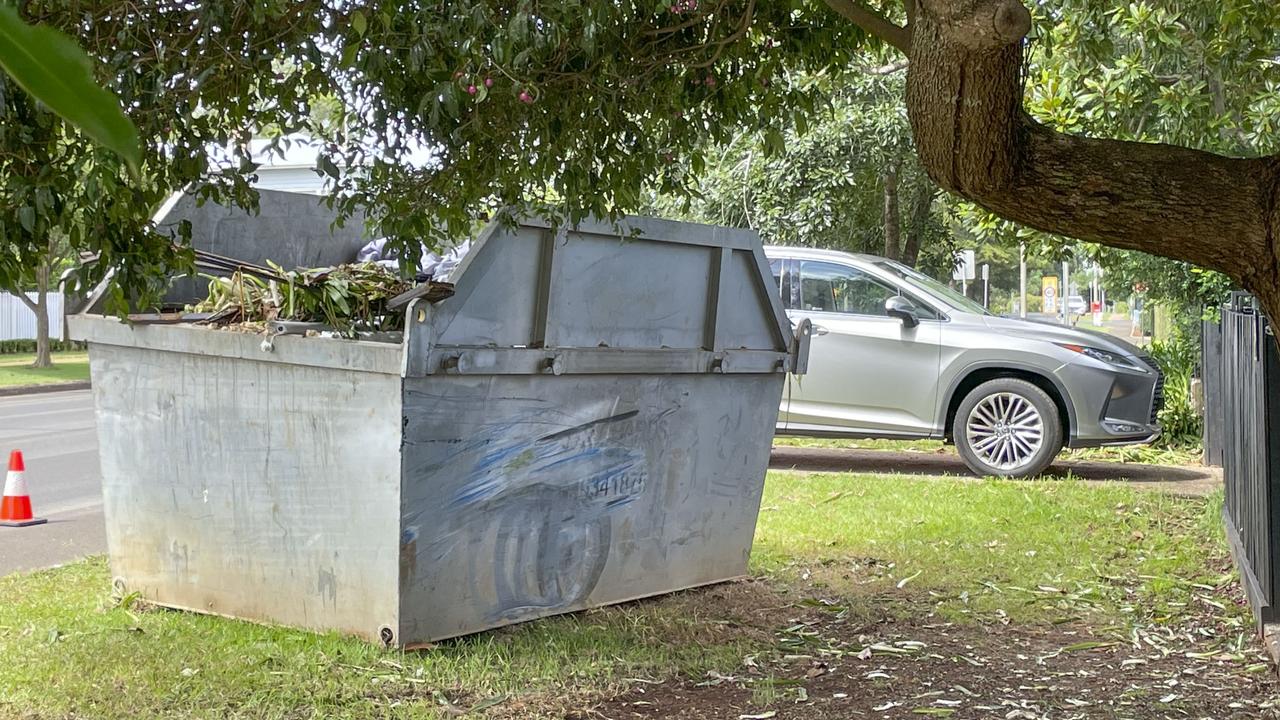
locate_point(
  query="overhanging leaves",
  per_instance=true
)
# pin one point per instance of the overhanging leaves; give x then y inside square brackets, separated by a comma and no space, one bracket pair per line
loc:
[54,70]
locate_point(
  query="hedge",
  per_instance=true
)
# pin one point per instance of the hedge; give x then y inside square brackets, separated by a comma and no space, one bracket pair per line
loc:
[26,347]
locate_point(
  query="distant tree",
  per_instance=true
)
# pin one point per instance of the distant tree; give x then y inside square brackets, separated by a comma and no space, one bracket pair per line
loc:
[846,179]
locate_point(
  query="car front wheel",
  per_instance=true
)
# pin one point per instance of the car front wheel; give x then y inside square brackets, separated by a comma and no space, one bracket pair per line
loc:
[1007,427]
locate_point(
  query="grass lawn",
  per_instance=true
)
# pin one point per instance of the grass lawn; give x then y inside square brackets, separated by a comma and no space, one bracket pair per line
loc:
[67,367]
[871,596]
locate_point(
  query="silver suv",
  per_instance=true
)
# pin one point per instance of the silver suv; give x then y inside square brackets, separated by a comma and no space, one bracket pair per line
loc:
[897,354]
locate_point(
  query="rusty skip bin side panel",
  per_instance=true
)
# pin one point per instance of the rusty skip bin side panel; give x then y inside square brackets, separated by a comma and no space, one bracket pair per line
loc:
[529,496]
[260,490]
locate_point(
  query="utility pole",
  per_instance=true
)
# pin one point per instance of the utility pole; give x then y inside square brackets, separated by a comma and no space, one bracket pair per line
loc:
[1022,280]
[1066,292]
[986,285]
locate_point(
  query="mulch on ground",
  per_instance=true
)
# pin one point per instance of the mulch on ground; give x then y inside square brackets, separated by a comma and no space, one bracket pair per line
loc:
[834,661]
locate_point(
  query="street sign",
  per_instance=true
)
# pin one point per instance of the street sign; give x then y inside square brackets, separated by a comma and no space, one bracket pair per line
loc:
[964,268]
[1049,294]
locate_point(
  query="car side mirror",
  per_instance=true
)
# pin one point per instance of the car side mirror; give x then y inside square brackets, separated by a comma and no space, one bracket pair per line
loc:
[901,308]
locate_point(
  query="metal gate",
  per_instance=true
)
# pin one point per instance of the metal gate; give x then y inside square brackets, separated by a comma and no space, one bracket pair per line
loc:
[1242,386]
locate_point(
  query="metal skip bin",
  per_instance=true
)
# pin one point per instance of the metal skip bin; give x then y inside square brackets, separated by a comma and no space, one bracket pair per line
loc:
[587,420]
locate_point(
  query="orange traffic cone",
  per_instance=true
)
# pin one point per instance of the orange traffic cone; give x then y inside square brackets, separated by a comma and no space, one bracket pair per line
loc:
[15,509]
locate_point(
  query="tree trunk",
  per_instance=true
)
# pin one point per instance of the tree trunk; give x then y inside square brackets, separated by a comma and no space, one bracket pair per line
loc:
[40,307]
[964,100]
[43,357]
[892,218]
[921,208]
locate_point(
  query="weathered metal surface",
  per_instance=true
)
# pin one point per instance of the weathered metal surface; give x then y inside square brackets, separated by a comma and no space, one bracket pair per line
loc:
[355,355]
[595,361]
[585,421]
[651,285]
[255,489]
[530,496]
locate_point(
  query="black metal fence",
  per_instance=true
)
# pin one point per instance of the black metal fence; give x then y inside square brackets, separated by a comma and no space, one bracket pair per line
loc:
[1241,373]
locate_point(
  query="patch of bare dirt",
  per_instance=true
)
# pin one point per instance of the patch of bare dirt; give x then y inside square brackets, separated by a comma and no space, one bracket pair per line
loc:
[825,662]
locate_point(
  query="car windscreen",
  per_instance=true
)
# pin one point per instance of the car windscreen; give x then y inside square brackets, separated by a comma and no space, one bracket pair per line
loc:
[937,290]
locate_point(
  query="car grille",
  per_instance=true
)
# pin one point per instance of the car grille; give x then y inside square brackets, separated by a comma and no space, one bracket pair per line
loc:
[1157,397]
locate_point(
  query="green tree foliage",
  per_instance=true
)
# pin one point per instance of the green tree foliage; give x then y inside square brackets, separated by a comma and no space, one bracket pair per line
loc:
[822,181]
[1184,72]
[195,79]
[51,67]
[434,114]
[449,111]
[569,108]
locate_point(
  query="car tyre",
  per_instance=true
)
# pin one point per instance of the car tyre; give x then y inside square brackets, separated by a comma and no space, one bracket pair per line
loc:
[1007,427]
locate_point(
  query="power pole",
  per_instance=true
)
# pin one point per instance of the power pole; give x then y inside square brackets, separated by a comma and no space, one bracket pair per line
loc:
[1066,292]
[1022,280]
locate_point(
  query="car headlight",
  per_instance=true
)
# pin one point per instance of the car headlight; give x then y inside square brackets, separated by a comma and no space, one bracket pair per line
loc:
[1105,356]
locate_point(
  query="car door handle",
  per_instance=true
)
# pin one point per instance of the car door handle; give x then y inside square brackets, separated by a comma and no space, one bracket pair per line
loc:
[820,330]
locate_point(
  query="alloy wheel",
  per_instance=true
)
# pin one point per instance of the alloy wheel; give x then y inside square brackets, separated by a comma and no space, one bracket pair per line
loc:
[1005,430]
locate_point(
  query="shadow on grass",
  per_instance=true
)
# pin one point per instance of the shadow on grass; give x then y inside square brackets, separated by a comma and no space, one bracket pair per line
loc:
[948,463]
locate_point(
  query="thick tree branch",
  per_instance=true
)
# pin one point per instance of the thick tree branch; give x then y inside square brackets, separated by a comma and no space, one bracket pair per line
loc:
[31,304]
[873,22]
[888,69]
[964,98]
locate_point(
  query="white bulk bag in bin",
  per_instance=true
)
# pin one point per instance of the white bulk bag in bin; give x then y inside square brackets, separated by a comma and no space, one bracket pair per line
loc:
[587,420]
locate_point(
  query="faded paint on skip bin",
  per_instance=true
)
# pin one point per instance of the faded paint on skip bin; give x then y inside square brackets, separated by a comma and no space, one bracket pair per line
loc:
[529,496]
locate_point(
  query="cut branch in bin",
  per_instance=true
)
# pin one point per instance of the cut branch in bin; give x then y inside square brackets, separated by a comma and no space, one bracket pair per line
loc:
[350,299]
[430,290]
[206,260]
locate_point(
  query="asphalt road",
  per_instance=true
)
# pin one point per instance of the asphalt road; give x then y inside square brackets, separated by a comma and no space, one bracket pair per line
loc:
[57,437]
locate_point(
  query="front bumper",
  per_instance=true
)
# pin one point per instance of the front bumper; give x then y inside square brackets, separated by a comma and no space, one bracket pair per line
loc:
[1114,407]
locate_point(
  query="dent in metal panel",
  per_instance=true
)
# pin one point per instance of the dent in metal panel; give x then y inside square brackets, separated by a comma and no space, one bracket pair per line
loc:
[257,490]
[530,496]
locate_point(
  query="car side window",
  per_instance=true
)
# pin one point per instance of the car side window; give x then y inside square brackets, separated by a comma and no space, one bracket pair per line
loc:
[828,287]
